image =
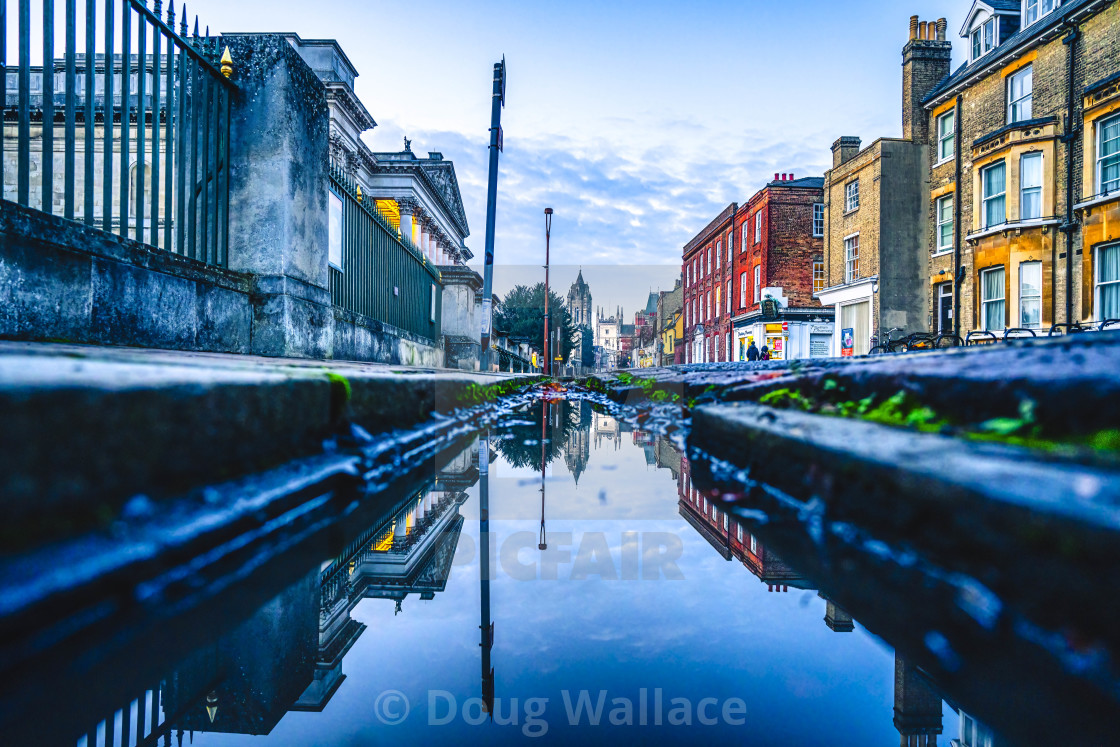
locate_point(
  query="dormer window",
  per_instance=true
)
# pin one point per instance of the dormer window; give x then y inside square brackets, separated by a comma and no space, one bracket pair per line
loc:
[984,38]
[1035,9]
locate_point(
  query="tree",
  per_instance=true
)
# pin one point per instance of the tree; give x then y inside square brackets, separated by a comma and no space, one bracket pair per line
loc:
[520,316]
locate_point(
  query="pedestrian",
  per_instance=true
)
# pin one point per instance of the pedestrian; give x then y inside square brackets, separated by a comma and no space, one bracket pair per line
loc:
[765,354]
[752,352]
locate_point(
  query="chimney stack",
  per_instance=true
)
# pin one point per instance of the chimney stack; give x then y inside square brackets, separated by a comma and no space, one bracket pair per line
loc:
[777,176]
[844,150]
[926,62]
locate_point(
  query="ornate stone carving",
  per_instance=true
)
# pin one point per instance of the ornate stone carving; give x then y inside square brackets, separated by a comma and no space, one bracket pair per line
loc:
[408,204]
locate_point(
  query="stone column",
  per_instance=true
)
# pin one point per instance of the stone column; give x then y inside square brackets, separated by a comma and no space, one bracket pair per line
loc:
[408,207]
[278,223]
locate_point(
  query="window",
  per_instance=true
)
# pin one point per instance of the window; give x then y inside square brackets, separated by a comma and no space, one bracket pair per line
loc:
[946,136]
[991,299]
[1108,282]
[708,313]
[758,283]
[818,275]
[730,236]
[945,224]
[758,227]
[739,532]
[1020,90]
[818,219]
[718,289]
[743,290]
[728,296]
[1108,155]
[743,239]
[1030,186]
[708,266]
[851,258]
[994,180]
[984,39]
[1030,295]
[851,196]
[1036,9]
[719,253]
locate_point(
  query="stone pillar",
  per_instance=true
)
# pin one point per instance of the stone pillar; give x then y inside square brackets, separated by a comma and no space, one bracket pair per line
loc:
[278,223]
[407,206]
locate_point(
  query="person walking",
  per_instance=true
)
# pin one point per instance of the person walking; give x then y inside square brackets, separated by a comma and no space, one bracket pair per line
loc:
[752,352]
[765,354]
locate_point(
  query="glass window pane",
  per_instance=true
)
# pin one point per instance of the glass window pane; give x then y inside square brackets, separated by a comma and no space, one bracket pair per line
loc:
[994,180]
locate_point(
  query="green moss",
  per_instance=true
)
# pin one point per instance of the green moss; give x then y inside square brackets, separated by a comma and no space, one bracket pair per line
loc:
[340,394]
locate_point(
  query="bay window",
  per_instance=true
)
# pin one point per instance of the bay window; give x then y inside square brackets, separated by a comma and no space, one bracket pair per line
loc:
[1107,278]
[992,299]
[1030,295]
[994,180]
[1030,186]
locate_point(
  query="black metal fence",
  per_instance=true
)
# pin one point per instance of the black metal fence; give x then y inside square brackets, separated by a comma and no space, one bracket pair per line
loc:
[376,272]
[126,130]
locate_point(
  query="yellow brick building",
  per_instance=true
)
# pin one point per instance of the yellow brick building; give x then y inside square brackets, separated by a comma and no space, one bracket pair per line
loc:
[1024,144]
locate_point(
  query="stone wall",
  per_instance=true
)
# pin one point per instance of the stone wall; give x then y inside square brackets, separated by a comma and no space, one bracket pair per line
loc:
[63,281]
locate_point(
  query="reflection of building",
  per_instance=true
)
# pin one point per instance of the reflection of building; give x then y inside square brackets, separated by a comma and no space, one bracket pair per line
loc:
[289,655]
[917,705]
[972,733]
[577,446]
[606,429]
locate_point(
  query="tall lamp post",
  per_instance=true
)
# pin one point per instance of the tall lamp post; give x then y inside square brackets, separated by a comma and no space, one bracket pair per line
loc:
[547,234]
[498,101]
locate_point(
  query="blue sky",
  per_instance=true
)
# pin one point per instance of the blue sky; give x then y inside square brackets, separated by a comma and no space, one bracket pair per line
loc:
[636,121]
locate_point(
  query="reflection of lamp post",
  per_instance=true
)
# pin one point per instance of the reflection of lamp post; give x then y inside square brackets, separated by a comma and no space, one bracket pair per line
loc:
[486,626]
[544,422]
[547,232]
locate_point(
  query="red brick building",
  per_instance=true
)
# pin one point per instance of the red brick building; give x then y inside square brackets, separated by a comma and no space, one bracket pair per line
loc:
[707,272]
[778,264]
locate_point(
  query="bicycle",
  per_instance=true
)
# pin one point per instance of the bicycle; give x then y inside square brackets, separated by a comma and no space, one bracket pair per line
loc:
[948,341]
[887,343]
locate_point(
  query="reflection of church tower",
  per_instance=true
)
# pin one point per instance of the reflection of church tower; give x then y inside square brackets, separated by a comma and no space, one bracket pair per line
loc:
[579,306]
[577,450]
[917,706]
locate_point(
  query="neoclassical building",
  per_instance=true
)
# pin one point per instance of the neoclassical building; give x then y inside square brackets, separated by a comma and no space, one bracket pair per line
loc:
[418,196]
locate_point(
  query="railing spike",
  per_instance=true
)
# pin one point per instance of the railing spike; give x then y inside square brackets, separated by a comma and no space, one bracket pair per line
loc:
[171,15]
[196,26]
[183,21]
[158,7]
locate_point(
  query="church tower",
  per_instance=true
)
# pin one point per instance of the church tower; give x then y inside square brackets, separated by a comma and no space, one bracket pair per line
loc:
[579,306]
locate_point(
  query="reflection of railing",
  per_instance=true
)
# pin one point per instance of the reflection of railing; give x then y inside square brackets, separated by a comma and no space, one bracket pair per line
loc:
[382,275]
[171,141]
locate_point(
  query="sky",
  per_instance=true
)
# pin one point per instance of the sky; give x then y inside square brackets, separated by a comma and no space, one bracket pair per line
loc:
[637,122]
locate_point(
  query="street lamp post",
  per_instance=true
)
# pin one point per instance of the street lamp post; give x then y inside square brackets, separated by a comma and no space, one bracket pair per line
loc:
[547,234]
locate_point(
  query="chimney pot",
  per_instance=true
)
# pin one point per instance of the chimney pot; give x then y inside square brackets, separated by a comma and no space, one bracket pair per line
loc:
[941,24]
[791,176]
[923,30]
[777,176]
[913,27]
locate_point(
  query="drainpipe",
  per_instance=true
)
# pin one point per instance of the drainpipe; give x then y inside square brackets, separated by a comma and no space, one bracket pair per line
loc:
[958,128]
[1071,132]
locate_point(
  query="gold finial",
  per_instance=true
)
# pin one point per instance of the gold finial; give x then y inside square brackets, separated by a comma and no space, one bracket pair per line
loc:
[359,193]
[227,63]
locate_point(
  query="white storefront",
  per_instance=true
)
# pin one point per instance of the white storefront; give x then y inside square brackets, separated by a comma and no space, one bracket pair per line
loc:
[855,307]
[791,334]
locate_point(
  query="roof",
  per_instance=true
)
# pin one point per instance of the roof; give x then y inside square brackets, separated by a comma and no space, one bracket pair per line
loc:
[1010,46]
[651,303]
[725,215]
[805,182]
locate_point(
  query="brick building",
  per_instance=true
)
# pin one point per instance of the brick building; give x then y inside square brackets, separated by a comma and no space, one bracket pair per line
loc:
[1024,154]
[778,255]
[707,270]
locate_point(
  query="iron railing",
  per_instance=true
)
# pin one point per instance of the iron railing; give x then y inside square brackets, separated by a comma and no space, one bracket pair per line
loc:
[382,275]
[145,130]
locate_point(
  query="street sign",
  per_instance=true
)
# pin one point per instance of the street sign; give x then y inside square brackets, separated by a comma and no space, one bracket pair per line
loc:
[785,326]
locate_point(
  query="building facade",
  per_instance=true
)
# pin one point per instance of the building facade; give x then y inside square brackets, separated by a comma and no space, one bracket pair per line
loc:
[706,272]
[776,260]
[1024,163]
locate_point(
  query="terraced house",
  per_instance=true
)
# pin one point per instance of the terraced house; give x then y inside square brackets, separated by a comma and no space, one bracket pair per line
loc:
[1024,144]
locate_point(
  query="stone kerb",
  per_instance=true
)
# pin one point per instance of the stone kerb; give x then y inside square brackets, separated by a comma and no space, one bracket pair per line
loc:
[278,202]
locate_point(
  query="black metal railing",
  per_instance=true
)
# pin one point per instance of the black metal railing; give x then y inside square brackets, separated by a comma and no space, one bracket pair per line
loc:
[144,113]
[382,275]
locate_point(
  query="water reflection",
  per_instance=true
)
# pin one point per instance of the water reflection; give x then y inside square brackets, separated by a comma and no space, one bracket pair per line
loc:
[400,609]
